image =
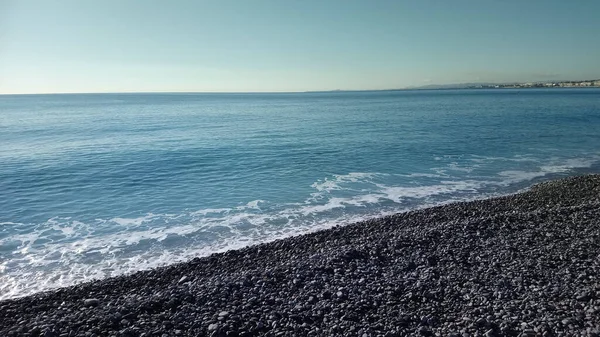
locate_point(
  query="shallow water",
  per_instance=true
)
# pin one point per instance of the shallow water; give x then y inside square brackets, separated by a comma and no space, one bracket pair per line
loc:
[104,184]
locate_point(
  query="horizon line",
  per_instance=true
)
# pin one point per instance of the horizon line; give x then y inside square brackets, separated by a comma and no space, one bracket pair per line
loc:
[199,92]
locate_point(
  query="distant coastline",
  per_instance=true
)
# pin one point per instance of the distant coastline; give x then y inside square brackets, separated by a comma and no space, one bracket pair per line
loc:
[515,85]
[512,85]
[547,84]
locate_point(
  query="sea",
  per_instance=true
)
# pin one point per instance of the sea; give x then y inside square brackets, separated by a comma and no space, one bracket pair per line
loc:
[99,185]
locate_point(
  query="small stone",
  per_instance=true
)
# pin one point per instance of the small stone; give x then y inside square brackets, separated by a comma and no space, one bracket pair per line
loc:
[91,302]
[432,261]
[423,331]
[213,327]
[584,296]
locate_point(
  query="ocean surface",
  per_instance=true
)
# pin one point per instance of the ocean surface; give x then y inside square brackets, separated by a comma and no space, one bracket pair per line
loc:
[97,185]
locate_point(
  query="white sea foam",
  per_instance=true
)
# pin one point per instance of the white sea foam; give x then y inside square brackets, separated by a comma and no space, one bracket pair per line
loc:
[209,211]
[133,222]
[399,194]
[488,159]
[424,175]
[251,204]
[557,166]
[337,182]
[513,176]
[553,166]
[72,267]
[457,167]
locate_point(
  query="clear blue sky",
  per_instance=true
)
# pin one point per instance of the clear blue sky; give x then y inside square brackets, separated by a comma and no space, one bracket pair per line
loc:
[291,45]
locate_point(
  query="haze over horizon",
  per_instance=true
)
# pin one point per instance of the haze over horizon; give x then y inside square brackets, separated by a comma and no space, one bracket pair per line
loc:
[50,46]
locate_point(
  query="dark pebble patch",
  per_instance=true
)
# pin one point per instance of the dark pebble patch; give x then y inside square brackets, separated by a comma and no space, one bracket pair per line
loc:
[521,265]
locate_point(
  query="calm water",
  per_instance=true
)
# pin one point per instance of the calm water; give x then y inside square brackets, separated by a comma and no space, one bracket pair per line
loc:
[105,184]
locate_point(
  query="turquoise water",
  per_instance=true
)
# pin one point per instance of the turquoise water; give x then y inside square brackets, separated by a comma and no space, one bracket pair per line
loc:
[104,184]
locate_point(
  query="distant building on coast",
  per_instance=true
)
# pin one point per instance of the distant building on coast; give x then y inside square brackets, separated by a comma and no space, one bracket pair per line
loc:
[580,83]
[553,84]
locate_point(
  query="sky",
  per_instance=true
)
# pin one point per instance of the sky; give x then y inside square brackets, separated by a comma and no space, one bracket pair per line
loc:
[55,46]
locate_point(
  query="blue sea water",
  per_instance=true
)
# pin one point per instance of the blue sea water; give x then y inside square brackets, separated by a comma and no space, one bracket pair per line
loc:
[96,185]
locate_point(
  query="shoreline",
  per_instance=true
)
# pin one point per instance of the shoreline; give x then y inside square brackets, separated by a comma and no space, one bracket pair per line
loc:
[525,263]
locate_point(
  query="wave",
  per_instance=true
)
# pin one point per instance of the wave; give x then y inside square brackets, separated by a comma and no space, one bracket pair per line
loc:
[555,166]
[65,251]
[338,180]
